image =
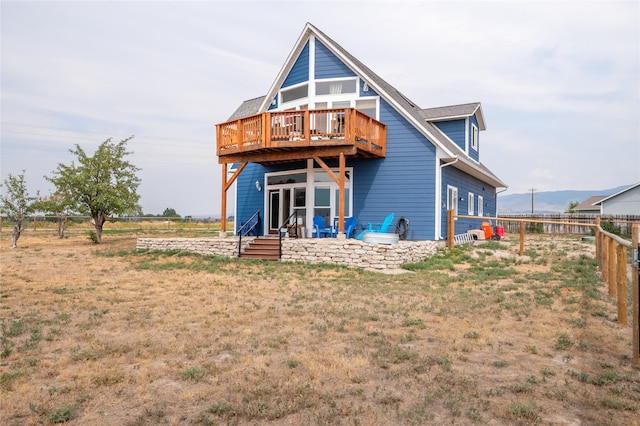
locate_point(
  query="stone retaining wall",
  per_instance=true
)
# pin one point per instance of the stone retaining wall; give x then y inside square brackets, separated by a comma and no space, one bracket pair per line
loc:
[352,253]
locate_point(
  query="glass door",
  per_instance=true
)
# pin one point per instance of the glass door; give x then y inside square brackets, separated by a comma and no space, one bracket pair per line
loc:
[274,211]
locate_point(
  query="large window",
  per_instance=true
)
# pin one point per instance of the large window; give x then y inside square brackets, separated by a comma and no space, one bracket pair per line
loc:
[294,93]
[335,87]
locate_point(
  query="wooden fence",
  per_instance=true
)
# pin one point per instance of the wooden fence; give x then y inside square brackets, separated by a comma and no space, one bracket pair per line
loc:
[611,254]
[577,224]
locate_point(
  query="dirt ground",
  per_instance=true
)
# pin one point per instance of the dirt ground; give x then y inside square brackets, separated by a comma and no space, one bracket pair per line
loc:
[107,335]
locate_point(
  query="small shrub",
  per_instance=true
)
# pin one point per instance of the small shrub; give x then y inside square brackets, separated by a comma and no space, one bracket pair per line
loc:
[472,335]
[413,322]
[62,415]
[93,237]
[194,373]
[563,342]
[530,412]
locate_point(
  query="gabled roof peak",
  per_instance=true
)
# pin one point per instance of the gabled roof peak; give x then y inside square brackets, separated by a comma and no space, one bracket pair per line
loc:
[452,112]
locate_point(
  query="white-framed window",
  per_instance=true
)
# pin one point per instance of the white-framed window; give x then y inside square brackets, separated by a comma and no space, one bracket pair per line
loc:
[368,106]
[336,87]
[293,93]
[480,206]
[452,199]
[474,136]
[470,204]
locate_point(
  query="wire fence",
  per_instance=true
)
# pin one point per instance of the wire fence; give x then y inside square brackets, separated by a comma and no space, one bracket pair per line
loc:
[135,223]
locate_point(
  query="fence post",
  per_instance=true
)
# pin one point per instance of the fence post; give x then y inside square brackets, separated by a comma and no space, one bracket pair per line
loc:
[621,275]
[611,256]
[521,238]
[598,244]
[450,228]
[635,282]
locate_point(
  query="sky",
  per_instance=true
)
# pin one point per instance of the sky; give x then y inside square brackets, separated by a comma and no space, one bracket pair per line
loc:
[559,82]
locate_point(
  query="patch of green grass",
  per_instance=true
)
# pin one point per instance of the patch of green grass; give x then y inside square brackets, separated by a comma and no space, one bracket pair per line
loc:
[413,322]
[526,412]
[563,342]
[194,373]
[471,335]
[7,378]
[62,415]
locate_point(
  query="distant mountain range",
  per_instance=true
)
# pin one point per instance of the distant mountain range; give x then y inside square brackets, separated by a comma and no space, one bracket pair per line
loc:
[548,202]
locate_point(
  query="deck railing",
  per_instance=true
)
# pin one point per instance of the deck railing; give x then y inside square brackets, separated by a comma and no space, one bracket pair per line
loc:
[306,128]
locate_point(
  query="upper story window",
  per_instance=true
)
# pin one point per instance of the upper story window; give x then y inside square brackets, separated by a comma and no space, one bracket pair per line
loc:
[336,87]
[474,137]
[297,92]
[368,106]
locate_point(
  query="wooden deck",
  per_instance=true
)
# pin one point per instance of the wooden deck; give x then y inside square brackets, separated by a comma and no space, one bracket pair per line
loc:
[282,136]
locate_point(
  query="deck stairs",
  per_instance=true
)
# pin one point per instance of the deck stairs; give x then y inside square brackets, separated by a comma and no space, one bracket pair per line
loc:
[265,248]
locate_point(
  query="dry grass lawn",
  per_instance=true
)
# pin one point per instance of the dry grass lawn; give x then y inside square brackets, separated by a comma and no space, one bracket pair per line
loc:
[107,335]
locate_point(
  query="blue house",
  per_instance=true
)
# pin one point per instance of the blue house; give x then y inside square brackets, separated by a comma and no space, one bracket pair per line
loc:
[331,138]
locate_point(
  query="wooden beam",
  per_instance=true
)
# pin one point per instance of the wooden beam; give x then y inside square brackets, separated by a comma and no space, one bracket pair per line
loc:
[223,204]
[293,155]
[327,169]
[235,176]
[225,187]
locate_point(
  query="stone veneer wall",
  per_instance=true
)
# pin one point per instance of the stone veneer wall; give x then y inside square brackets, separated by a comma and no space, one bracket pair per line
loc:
[349,252]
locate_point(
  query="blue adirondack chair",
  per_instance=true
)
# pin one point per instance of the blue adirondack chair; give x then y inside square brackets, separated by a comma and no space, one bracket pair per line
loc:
[378,227]
[350,226]
[321,227]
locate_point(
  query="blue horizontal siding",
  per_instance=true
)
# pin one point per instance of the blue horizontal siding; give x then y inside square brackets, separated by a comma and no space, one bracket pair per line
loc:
[455,130]
[465,184]
[327,65]
[403,183]
[248,198]
[300,71]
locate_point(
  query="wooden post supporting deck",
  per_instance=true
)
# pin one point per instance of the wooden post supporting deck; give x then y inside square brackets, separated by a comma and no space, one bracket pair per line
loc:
[343,164]
[225,187]
[223,204]
[340,181]
[521,238]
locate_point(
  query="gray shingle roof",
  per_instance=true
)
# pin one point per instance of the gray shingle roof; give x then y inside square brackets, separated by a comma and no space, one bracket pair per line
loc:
[250,107]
